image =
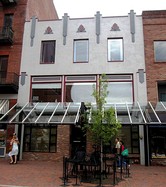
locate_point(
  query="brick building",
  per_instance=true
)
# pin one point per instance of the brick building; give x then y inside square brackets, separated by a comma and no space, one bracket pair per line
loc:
[154,28]
[13,15]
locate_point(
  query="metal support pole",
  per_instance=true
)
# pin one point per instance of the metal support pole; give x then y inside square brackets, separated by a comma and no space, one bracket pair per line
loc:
[65,171]
[146,142]
[114,171]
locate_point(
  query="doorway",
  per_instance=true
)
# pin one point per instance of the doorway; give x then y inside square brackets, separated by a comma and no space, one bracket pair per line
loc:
[77,139]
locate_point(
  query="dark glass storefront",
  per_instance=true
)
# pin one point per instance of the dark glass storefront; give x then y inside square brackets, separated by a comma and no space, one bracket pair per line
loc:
[157,141]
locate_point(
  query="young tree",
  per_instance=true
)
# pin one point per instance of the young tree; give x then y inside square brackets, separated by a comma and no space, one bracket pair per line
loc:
[103,125]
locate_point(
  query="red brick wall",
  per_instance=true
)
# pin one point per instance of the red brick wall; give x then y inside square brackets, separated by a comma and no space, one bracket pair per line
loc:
[42,9]
[154,28]
[63,139]
[14,51]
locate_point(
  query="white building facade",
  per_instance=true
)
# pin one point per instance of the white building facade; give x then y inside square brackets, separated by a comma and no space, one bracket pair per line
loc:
[61,62]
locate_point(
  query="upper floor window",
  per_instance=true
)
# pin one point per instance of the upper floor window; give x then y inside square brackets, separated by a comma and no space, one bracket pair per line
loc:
[81,48]
[120,89]
[3,68]
[47,52]
[79,92]
[120,92]
[159,51]
[115,49]
[8,19]
[46,89]
[162,92]
[80,88]
[3,63]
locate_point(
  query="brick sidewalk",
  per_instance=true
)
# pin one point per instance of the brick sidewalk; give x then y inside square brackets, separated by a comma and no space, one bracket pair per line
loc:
[49,173]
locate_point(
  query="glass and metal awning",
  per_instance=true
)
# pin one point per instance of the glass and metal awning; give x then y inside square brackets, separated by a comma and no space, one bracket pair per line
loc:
[42,113]
[137,113]
[69,113]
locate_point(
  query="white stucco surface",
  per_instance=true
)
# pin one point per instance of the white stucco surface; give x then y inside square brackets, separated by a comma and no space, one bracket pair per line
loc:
[98,64]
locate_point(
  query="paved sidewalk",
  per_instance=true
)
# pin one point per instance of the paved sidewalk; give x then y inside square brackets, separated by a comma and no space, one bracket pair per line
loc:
[49,173]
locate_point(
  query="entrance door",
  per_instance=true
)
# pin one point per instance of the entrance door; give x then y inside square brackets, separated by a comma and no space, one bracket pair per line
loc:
[77,139]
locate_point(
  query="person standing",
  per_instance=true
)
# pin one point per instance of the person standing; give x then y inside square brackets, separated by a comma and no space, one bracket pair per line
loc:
[122,147]
[14,152]
[117,149]
[117,145]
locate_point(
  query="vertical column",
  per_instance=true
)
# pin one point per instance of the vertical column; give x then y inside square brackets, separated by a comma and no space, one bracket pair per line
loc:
[33,27]
[65,23]
[98,15]
[132,25]
[141,75]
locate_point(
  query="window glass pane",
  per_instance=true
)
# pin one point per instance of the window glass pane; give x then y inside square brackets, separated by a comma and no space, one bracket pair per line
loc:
[81,51]
[2,138]
[120,92]
[46,92]
[158,142]
[136,142]
[46,86]
[52,148]
[53,131]
[27,130]
[135,150]
[130,142]
[162,92]
[125,135]
[79,92]
[48,52]
[115,50]
[3,68]
[53,139]
[39,139]
[8,19]
[26,142]
[163,97]
[160,51]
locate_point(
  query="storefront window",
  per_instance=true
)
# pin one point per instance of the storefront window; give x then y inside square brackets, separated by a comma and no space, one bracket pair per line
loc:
[120,92]
[2,143]
[2,138]
[79,92]
[129,135]
[49,92]
[158,142]
[40,138]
